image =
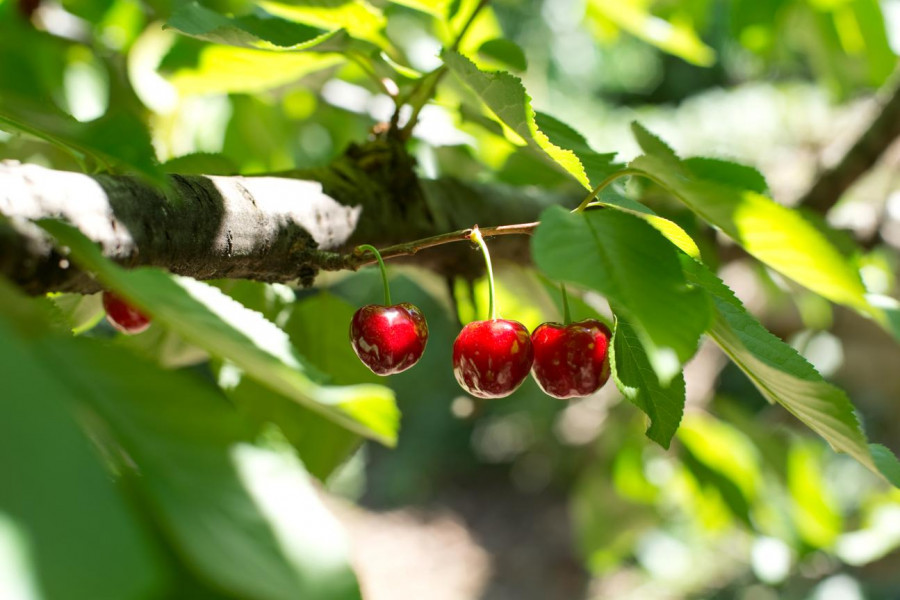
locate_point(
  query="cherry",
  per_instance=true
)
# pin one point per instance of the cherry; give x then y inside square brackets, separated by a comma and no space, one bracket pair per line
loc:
[571,361]
[388,339]
[492,358]
[124,316]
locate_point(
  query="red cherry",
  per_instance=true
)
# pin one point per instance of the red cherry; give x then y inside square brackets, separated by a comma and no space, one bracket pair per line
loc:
[492,358]
[571,361]
[388,339]
[124,316]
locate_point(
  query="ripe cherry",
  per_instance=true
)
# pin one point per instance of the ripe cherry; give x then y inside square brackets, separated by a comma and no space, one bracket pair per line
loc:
[492,358]
[124,316]
[571,361]
[388,339]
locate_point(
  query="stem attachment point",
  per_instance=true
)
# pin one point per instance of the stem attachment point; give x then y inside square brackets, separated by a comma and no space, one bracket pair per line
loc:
[384,277]
[476,237]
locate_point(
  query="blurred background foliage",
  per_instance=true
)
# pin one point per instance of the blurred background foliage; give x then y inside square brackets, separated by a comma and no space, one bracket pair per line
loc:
[567,500]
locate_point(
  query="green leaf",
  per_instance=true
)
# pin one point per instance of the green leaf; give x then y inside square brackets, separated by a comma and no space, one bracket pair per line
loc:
[635,378]
[776,235]
[636,268]
[887,463]
[505,52]
[258,29]
[727,173]
[435,8]
[115,140]
[229,69]
[207,318]
[83,539]
[80,311]
[243,517]
[671,230]
[678,39]
[779,372]
[201,163]
[505,95]
[597,166]
[359,18]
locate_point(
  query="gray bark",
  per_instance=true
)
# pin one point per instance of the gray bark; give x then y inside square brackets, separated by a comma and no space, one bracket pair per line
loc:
[269,228]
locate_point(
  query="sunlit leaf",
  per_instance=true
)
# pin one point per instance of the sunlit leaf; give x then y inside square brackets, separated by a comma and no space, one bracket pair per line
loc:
[505,52]
[258,29]
[780,373]
[674,38]
[231,69]
[359,18]
[505,95]
[776,235]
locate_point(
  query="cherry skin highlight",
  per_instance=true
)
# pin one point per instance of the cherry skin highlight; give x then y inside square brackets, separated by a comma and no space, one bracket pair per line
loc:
[492,358]
[388,339]
[571,361]
[124,316]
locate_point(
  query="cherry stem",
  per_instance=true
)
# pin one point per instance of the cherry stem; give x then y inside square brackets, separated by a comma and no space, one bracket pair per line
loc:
[356,259]
[567,316]
[384,277]
[476,237]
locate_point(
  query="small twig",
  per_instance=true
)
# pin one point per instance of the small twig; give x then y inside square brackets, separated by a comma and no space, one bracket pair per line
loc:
[359,258]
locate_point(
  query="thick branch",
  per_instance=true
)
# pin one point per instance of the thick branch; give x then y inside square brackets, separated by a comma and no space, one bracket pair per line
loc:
[862,156]
[265,228]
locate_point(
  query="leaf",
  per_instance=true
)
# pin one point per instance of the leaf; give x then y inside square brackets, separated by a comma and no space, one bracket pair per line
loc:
[243,517]
[207,318]
[675,38]
[727,173]
[671,230]
[597,166]
[635,378]
[359,18]
[780,373]
[81,312]
[636,268]
[117,139]
[778,236]
[887,463]
[258,29]
[505,95]
[435,8]
[82,537]
[201,163]
[505,52]
[229,69]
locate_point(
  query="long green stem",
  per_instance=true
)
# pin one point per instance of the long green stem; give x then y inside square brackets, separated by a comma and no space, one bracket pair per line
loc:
[567,316]
[603,184]
[384,277]
[476,237]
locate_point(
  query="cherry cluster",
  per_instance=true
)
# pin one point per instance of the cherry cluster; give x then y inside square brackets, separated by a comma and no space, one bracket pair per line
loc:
[491,358]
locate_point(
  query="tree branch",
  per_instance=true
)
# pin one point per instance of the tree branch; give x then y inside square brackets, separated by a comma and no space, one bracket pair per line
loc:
[271,228]
[862,156]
